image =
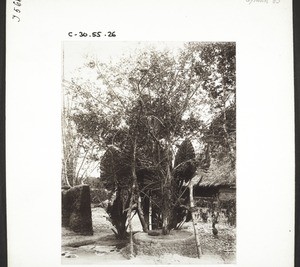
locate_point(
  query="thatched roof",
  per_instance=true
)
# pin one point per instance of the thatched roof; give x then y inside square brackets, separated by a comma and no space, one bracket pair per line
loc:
[223,175]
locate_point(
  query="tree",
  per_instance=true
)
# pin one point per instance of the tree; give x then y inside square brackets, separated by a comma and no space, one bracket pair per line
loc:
[146,106]
[216,65]
[221,135]
[70,145]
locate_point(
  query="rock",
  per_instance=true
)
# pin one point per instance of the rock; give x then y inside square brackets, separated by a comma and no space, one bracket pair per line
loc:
[66,208]
[64,253]
[76,209]
[71,256]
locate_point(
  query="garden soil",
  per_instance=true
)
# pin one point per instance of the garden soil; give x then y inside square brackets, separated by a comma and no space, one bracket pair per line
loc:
[104,248]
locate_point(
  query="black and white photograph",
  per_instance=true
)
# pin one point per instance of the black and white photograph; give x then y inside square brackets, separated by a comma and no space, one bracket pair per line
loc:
[150,133]
[148,152]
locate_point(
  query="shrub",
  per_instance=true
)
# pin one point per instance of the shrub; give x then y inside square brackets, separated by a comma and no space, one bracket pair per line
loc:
[99,195]
[230,210]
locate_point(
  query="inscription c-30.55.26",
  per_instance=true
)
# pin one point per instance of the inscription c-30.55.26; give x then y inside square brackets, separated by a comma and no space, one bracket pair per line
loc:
[92,34]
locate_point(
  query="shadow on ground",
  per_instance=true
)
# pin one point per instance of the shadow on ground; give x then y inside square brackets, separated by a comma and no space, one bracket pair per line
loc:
[103,247]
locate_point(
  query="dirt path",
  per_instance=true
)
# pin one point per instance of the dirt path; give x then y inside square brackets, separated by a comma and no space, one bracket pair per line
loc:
[104,248]
[86,256]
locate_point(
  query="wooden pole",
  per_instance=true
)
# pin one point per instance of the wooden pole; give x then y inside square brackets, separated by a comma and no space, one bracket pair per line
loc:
[150,213]
[192,209]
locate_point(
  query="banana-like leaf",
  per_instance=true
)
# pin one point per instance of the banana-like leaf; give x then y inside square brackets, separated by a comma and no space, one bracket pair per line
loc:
[115,170]
[185,164]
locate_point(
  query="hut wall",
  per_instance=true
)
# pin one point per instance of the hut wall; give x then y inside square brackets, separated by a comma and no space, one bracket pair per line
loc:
[226,194]
[205,191]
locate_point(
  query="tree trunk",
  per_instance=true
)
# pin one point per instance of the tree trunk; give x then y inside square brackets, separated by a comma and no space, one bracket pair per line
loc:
[166,209]
[64,174]
[192,209]
[129,216]
[133,194]
[141,216]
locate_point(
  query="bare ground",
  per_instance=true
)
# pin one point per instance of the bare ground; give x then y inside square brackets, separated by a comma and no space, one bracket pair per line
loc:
[104,248]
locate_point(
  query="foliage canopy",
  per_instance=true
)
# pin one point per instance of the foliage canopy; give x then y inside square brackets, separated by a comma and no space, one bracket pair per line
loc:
[145,111]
